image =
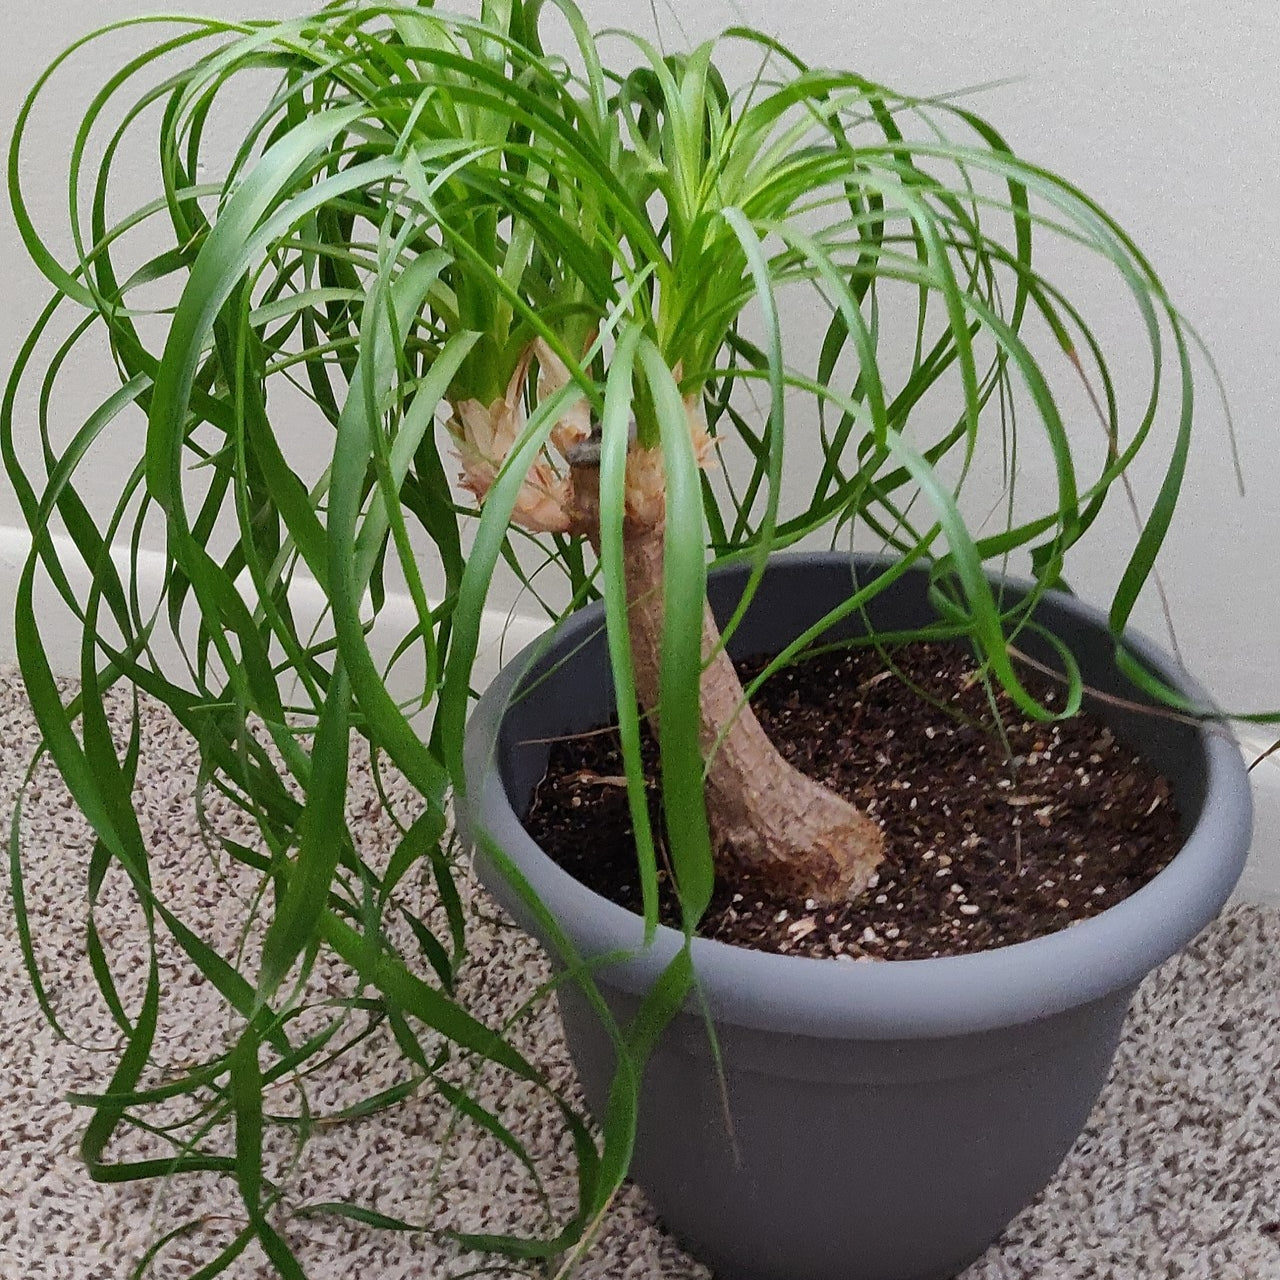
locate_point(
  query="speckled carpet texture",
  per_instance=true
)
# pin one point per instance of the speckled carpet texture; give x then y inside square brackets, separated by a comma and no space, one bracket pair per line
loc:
[1176,1175]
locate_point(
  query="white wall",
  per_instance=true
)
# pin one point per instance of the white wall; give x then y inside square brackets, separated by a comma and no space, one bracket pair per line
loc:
[1163,110]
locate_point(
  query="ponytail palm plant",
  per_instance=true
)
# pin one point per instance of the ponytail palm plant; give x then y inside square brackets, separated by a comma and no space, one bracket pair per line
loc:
[460,293]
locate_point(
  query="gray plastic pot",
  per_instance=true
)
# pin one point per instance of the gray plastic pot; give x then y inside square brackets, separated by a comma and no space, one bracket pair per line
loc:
[889,1119]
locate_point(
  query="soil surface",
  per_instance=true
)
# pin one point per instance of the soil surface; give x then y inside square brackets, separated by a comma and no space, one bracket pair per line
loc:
[998,829]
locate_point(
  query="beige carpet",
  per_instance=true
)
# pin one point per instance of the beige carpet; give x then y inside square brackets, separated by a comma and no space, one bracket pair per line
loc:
[1177,1175]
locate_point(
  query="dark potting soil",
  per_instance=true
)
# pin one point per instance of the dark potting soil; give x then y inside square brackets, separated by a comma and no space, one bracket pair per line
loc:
[997,829]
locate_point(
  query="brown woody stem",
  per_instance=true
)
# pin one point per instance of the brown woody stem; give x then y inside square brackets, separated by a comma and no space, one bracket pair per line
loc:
[769,822]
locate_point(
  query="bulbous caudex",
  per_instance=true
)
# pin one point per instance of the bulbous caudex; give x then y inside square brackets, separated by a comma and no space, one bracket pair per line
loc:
[769,822]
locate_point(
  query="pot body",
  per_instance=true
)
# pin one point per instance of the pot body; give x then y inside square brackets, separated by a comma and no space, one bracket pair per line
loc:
[874,1121]
[851,1159]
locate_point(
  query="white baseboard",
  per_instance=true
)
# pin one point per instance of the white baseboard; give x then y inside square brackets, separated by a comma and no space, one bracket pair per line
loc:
[502,636]
[1261,879]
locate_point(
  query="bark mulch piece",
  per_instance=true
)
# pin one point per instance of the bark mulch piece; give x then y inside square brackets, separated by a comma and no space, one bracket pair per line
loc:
[998,829]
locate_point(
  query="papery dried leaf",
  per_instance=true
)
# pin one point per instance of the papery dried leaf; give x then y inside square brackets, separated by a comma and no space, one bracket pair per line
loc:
[574,425]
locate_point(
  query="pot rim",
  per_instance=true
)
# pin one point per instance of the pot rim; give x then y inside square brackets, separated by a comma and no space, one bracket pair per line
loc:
[897,999]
